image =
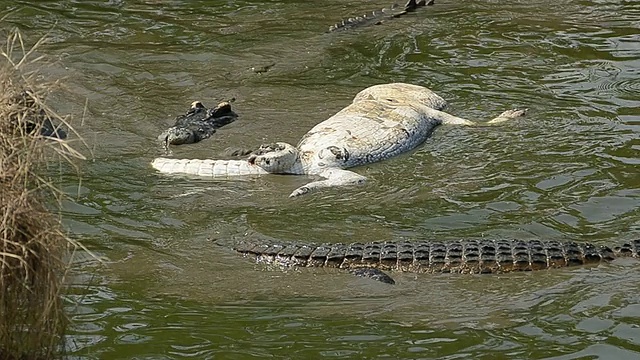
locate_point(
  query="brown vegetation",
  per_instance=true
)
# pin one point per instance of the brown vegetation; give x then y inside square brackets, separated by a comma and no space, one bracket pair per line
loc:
[34,250]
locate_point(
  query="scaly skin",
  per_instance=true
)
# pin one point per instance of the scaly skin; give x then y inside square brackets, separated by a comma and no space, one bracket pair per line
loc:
[466,257]
[206,168]
[197,124]
[382,121]
[377,17]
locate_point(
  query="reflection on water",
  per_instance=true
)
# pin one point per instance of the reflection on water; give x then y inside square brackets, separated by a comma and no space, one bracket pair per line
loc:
[567,171]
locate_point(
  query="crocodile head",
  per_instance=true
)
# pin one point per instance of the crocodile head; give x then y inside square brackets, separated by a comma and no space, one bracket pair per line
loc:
[198,124]
[221,115]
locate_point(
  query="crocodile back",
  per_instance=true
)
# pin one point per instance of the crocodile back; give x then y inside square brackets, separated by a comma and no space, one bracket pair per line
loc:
[378,16]
[468,256]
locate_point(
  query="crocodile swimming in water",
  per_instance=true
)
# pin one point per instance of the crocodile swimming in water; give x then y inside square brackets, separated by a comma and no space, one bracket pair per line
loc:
[481,256]
[33,117]
[197,124]
[377,17]
[382,121]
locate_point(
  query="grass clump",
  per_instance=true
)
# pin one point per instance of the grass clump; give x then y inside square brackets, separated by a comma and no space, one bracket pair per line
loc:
[34,249]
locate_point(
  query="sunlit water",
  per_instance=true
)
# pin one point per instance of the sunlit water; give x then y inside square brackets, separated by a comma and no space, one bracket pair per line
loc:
[172,288]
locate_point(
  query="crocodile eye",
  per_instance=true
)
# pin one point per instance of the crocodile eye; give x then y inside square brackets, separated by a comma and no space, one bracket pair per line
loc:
[267,161]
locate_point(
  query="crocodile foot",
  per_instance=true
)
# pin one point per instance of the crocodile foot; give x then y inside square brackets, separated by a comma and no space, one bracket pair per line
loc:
[373,273]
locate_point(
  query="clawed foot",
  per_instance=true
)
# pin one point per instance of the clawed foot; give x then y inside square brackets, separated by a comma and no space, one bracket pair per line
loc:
[508,115]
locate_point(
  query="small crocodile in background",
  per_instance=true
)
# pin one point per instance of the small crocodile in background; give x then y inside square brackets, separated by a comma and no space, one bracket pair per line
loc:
[377,17]
[197,124]
[200,123]
[464,257]
[373,18]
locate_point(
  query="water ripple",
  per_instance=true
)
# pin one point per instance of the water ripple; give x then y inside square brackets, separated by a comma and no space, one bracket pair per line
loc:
[566,171]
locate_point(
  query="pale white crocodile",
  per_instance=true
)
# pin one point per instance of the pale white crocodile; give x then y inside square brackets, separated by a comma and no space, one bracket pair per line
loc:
[381,122]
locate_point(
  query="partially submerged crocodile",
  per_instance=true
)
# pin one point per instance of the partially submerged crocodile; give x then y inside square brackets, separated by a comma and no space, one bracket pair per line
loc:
[382,121]
[197,124]
[33,117]
[466,257]
[377,17]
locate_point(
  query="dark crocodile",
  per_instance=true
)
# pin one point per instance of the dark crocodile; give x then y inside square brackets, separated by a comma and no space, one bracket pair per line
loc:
[198,123]
[376,17]
[379,16]
[465,257]
[34,117]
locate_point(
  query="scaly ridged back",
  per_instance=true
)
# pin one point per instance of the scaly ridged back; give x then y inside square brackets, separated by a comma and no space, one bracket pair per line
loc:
[208,168]
[468,256]
[377,17]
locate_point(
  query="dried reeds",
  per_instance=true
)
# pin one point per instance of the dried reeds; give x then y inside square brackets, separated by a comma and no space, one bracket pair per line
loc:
[33,247]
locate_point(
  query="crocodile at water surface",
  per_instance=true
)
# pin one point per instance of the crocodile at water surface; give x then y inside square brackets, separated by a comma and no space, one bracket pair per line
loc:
[466,257]
[197,124]
[33,116]
[382,121]
[377,17]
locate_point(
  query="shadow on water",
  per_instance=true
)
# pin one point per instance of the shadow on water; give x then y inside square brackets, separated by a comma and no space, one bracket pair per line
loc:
[567,171]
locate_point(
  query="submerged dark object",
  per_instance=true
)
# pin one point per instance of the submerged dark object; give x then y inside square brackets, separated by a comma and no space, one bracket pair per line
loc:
[34,119]
[198,123]
[379,16]
[465,257]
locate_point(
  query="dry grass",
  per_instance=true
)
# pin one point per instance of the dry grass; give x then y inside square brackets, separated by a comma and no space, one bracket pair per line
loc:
[34,250]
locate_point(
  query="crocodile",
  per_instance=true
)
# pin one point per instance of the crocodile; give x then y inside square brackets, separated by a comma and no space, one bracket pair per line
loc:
[482,256]
[197,124]
[33,117]
[378,17]
[382,121]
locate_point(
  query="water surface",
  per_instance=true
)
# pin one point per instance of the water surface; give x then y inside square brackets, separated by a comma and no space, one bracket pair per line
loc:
[172,289]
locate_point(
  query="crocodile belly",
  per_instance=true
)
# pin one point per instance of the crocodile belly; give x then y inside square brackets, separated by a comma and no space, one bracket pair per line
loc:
[366,132]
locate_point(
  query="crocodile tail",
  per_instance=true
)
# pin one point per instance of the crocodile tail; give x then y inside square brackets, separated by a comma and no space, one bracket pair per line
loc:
[469,256]
[206,168]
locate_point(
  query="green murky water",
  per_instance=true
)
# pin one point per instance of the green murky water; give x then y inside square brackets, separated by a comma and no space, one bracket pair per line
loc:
[570,170]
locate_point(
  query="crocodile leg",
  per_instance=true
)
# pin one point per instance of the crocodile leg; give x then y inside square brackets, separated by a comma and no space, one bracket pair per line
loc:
[373,273]
[334,177]
[505,116]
